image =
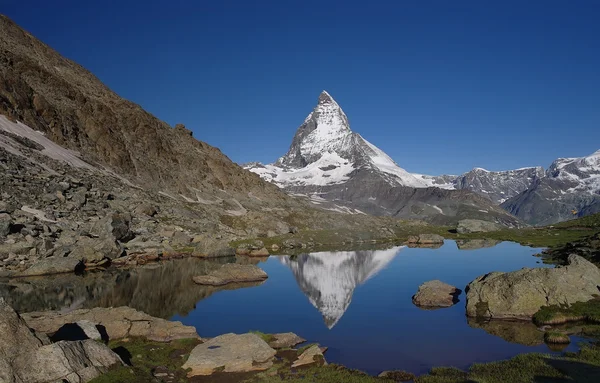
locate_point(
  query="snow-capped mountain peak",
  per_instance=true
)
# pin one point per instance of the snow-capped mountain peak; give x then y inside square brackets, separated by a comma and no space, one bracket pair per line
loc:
[325,151]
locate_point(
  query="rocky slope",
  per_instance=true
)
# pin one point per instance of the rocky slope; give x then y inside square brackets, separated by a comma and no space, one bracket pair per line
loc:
[569,189]
[327,161]
[88,177]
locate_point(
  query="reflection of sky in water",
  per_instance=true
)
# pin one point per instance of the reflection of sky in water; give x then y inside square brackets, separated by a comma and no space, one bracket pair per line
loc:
[359,305]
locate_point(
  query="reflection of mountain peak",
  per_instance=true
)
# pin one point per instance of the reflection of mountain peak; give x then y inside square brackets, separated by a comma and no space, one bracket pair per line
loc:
[329,278]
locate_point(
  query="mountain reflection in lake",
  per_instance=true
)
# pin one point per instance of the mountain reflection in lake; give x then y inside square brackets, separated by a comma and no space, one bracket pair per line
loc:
[357,303]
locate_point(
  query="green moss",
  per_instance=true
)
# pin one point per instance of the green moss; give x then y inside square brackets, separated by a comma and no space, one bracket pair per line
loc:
[583,367]
[556,337]
[144,356]
[266,337]
[551,315]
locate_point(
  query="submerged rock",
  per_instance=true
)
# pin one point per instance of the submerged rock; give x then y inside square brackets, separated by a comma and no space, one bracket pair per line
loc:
[285,340]
[232,273]
[520,294]
[436,294]
[118,322]
[519,332]
[311,355]
[476,226]
[231,353]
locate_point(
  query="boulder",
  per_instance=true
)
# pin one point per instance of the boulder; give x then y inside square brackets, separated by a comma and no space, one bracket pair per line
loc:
[53,265]
[26,358]
[208,247]
[145,209]
[180,239]
[520,294]
[92,250]
[311,355]
[119,322]
[263,252]
[232,273]
[89,329]
[5,223]
[73,362]
[115,226]
[230,353]
[436,294]
[285,340]
[476,226]
[426,239]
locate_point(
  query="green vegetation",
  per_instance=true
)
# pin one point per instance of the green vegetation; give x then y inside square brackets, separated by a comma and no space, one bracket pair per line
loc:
[553,315]
[583,367]
[143,356]
[266,337]
[305,347]
[556,337]
[325,374]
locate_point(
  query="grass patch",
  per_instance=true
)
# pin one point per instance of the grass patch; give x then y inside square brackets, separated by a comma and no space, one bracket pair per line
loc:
[583,366]
[556,337]
[553,315]
[331,373]
[143,356]
[266,337]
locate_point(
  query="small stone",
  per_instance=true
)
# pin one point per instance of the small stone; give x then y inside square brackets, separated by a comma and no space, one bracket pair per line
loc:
[259,253]
[311,355]
[293,230]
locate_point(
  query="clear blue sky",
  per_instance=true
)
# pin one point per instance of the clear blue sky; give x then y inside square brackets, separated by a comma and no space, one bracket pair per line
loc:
[441,86]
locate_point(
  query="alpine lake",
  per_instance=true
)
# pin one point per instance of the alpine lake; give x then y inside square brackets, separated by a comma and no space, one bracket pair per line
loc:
[356,303]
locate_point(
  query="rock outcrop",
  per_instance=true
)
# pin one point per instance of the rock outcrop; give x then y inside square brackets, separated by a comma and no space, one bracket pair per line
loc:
[426,239]
[285,340]
[436,294]
[311,355]
[230,353]
[520,294]
[232,273]
[27,357]
[118,322]
[476,226]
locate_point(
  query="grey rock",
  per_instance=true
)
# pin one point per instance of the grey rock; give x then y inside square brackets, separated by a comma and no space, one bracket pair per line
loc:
[180,239]
[208,247]
[73,362]
[231,353]
[473,244]
[15,334]
[7,207]
[285,340]
[311,355]
[145,209]
[232,273]
[436,294]
[96,249]
[426,239]
[5,223]
[476,226]
[113,225]
[520,294]
[89,329]
[119,322]
[52,265]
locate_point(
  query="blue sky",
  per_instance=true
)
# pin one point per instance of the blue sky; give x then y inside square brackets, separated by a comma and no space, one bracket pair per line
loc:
[441,86]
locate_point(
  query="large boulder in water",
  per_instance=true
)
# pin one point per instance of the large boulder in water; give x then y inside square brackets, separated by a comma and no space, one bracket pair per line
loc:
[520,294]
[436,294]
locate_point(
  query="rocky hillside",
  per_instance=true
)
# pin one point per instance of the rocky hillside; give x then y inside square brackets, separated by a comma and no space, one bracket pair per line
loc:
[327,161]
[88,178]
[569,189]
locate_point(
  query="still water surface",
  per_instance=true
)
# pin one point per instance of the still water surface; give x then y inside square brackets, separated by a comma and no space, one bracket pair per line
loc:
[357,303]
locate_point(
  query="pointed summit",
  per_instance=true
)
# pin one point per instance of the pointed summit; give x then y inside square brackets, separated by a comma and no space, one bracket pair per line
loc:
[325,98]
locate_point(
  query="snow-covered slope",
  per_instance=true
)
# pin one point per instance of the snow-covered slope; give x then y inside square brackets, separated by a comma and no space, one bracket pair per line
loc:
[329,278]
[569,189]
